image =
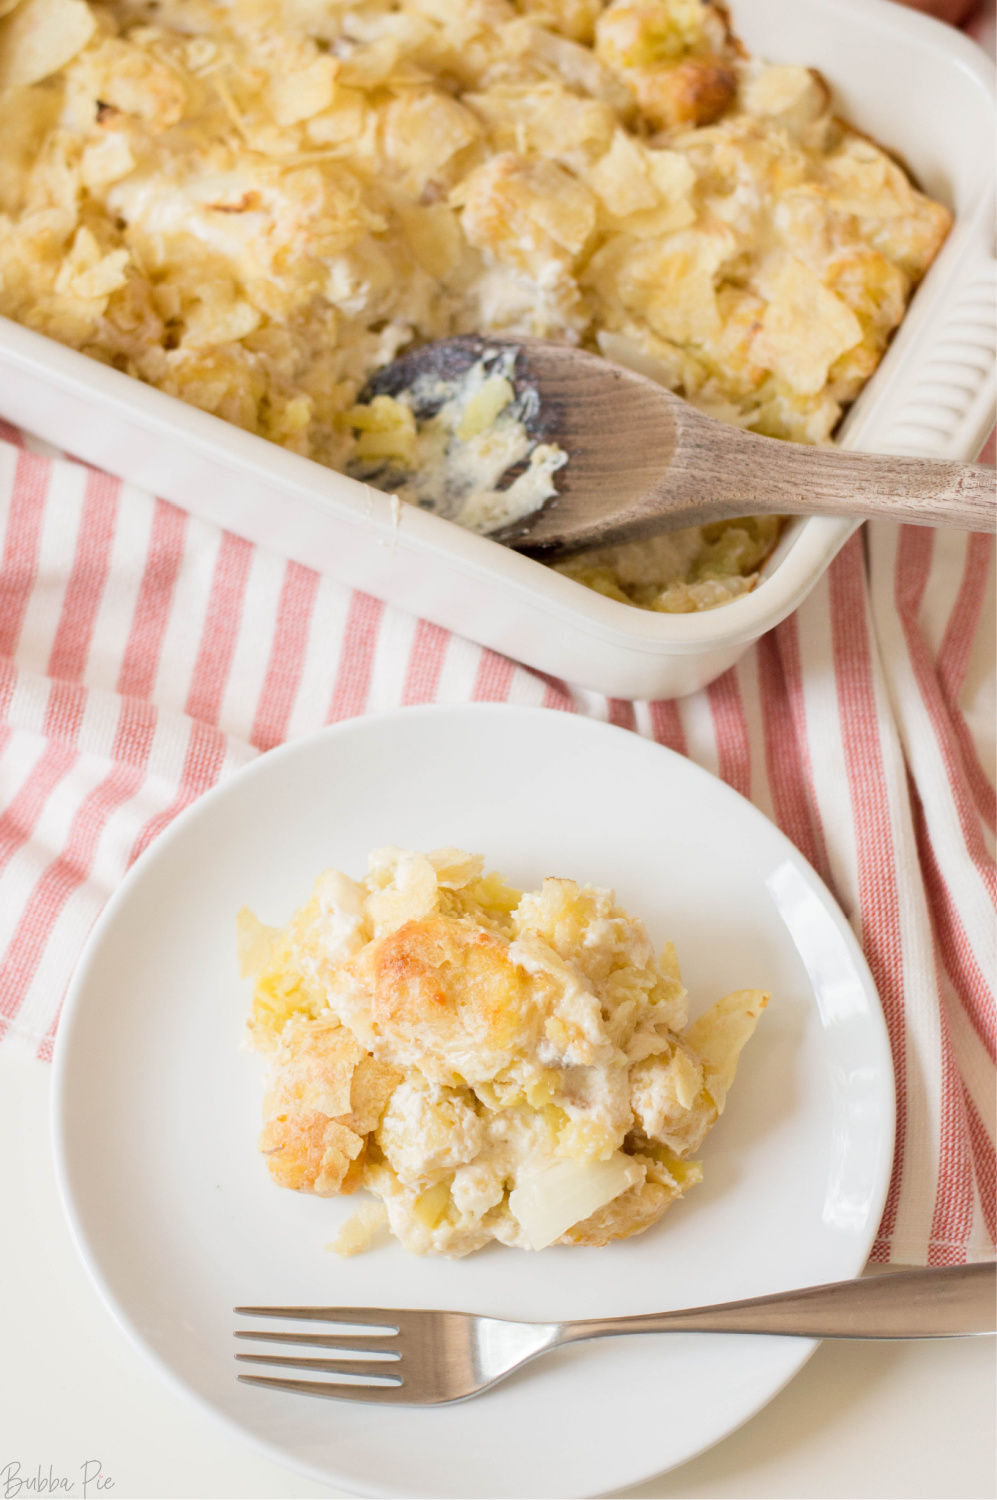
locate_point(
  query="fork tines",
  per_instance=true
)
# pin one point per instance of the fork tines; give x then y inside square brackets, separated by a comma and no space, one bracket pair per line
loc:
[375,1378]
[341,1391]
[371,1317]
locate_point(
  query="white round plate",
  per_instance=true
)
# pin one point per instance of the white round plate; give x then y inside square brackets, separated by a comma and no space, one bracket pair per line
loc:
[157,1108]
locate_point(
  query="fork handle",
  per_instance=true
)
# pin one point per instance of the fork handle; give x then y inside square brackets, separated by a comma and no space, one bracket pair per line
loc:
[941,1302]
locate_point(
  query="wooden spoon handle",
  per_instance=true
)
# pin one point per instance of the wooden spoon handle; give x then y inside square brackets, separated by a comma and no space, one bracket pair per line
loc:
[797,480]
[921,491]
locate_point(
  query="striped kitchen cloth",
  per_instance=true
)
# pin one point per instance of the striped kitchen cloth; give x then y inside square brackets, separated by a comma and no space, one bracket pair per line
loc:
[145,654]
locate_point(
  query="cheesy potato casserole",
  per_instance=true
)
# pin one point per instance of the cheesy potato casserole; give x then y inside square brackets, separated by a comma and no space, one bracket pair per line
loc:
[255,204]
[489,1065]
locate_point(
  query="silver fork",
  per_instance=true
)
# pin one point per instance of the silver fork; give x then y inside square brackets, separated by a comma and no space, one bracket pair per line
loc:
[423,1358]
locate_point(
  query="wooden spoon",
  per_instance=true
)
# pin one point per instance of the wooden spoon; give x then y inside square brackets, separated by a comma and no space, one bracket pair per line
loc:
[642,460]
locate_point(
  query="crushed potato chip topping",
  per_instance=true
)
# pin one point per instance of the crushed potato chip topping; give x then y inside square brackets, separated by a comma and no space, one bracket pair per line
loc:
[489,1065]
[254,205]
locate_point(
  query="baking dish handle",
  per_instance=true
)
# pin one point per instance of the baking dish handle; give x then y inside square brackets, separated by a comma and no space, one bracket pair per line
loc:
[949,408]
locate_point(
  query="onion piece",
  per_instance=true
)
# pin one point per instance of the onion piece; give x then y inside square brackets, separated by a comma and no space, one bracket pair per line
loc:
[550,1202]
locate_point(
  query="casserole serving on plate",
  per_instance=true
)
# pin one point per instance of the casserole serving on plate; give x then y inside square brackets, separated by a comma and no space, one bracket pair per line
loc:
[932,393]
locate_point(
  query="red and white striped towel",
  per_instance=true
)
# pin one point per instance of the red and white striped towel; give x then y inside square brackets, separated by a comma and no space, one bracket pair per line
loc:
[145,654]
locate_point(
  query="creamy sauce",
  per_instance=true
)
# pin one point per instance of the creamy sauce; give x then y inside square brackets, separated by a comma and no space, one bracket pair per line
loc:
[477,435]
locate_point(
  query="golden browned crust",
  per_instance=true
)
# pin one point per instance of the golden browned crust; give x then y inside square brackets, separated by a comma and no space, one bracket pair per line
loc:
[310,1153]
[696,92]
[442,985]
[326,1095]
[677,65]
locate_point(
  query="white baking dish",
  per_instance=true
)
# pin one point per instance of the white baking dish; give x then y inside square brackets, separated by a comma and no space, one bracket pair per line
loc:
[916,86]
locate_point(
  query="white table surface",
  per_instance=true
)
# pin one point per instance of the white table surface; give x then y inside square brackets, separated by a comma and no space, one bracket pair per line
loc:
[861,1420]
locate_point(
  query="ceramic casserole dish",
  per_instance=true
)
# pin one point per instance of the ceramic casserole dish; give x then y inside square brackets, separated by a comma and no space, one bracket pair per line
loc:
[915,86]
